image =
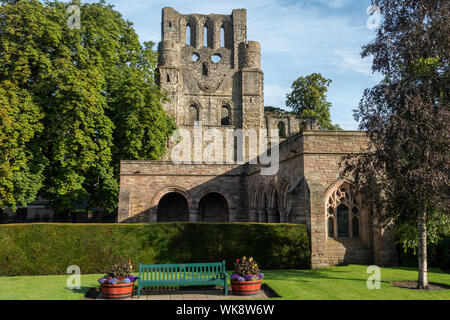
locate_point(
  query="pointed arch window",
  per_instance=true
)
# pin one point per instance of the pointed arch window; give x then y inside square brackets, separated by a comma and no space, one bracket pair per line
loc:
[330,227]
[205,35]
[225,116]
[188,34]
[343,213]
[193,114]
[222,37]
[282,129]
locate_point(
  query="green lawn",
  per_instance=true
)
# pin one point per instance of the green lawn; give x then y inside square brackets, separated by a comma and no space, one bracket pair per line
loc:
[348,282]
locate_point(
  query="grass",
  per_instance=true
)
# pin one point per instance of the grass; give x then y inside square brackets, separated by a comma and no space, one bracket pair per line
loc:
[350,283]
[336,283]
[44,287]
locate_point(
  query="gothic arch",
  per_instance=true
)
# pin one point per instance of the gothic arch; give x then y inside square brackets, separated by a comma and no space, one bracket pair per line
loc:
[273,196]
[284,187]
[191,23]
[260,194]
[208,27]
[344,212]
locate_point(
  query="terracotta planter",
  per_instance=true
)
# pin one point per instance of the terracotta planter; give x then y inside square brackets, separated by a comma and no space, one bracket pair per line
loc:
[245,288]
[117,291]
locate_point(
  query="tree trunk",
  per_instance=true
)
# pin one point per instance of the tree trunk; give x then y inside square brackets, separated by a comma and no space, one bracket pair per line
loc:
[422,255]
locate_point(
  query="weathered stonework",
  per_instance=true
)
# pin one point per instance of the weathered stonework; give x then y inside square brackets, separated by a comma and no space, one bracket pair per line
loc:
[229,95]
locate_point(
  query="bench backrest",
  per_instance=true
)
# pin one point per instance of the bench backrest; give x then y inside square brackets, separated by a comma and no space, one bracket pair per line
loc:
[185,271]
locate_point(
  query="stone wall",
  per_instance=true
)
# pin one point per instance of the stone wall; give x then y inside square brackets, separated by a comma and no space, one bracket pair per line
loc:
[144,183]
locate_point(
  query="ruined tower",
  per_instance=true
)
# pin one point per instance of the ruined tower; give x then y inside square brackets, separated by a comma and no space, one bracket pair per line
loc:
[210,72]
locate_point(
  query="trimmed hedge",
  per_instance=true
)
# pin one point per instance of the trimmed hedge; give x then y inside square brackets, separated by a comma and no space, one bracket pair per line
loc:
[40,249]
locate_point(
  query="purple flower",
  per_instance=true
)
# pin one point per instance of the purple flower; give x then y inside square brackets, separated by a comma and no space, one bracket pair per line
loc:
[102,280]
[234,276]
[261,275]
[113,280]
[126,280]
[248,277]
[132,278]
[240,278]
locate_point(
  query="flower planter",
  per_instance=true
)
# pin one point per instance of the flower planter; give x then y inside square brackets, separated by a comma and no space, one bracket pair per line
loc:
[245,288]
[117,291]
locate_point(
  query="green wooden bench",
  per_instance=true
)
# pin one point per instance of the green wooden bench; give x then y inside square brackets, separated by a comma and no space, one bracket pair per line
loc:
[186,274]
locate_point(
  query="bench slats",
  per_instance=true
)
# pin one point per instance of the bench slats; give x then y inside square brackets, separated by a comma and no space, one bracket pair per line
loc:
[182,274]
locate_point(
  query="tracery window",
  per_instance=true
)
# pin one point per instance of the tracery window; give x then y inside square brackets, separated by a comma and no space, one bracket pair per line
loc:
[343,218]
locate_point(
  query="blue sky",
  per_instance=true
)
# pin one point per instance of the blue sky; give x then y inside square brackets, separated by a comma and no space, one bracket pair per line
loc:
[298,37]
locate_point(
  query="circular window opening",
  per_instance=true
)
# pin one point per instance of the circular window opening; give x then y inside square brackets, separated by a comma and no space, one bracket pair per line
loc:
[195,57]
[216,58]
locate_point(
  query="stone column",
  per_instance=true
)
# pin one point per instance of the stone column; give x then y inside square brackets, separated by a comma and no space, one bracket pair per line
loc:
[253,215]
[262,215]
[153,215]
[193,215]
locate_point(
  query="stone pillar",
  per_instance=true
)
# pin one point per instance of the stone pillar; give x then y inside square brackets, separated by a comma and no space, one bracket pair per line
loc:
[253,215]
[153,216]
[272,215]
[193,215]
[318,236]
[262,215]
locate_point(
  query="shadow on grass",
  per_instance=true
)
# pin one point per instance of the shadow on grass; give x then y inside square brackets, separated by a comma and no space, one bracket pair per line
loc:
[297,275]
[82,290]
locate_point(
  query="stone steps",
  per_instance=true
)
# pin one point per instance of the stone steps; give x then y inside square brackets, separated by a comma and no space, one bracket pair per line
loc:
[348,251]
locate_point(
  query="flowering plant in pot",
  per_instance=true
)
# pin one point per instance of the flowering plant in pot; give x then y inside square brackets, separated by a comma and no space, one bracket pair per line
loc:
[118,282]
[246,278]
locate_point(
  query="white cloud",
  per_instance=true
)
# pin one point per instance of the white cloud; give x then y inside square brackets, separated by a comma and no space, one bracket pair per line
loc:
[275,95]
[350,60]
[336,3]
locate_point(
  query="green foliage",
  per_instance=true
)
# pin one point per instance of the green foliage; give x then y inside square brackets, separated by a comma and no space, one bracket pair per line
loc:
[438,254]
[74,102]
[38,249]
[308,99]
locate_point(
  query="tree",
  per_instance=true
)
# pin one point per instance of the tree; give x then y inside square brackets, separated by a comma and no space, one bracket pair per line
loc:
[404,173]
[308,99]
[94,93]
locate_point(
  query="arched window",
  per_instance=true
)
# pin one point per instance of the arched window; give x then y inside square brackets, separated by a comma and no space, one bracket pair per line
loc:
[168,78]
[342,221]
[193,114]
[205,36]
[343,209]
[330,227]
[188,35]
[225,116]
[282,129]
[222,37]
[205,70]
[355,227]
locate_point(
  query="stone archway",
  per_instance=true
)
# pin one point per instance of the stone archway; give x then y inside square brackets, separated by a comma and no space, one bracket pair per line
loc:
[173,207]
[213,207]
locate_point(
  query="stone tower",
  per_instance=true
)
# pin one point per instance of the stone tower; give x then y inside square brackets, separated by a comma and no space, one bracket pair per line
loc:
[210,72]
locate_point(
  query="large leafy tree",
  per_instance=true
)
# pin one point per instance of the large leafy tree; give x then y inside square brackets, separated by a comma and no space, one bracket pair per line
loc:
[90,95]
[308,99]
[405,172]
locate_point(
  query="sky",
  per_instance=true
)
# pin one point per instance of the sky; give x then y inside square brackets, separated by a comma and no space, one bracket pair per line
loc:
[297,37]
